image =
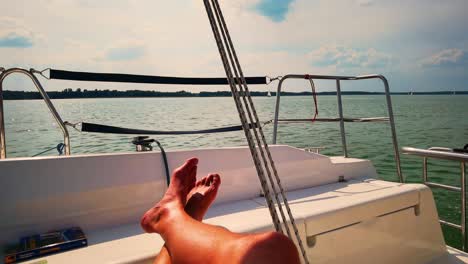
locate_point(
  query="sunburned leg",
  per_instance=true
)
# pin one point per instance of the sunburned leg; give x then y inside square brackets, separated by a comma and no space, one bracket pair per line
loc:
[198,201]
[190,241]
[270,247]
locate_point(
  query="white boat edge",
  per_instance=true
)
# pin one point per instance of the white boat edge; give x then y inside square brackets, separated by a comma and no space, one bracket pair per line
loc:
[358,220]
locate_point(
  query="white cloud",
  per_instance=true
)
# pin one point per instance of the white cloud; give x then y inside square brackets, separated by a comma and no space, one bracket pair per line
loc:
[125,51]
[13,34]
[446,57]
[345,57]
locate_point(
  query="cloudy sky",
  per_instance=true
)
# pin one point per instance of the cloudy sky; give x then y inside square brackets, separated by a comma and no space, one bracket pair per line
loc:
[418,44]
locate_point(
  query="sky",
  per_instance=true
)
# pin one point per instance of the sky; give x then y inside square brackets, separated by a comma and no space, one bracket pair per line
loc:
[419,45]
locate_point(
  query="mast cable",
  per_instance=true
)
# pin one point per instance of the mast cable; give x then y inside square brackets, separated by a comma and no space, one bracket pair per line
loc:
[242,116]
[227,48]
[250,110]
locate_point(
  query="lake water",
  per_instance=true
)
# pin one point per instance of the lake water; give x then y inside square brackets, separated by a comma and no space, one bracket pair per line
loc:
[421,121]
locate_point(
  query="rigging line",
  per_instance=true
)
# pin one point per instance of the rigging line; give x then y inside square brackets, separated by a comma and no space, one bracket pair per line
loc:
[242,116]
[250,111]
[244,94]
[41,73]
[45,151]
[270,79]
[59,148]
[247,94]
[330,119]
[222,23]
[238,80]
[232,53]
[73,125]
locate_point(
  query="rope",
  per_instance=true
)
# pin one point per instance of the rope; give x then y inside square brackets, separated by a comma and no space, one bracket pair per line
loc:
[42,72]
[271,79]
[73,125]
[59,148]
[332,119]
[242,116]
[229,58]
[248,104]
[314,95]
[235,94]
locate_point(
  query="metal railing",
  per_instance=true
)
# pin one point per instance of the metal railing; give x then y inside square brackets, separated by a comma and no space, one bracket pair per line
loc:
[3,74]
[446,154]
[341,118]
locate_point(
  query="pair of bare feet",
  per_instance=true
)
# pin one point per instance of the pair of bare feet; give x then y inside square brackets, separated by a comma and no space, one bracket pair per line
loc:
[195,196]
[177,219]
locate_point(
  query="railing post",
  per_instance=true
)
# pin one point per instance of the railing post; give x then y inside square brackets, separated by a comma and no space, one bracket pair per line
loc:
[55,114]
[340,112]
[463,206]
[45,97]
[447,154]
[393,128]
[275,121]
[425,170]
[2,119]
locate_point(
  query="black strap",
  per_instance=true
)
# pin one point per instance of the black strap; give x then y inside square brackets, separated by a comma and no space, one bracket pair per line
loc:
[97,128]
[133,78]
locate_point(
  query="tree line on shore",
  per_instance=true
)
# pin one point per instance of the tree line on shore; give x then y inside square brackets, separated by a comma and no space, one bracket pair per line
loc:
[79,93]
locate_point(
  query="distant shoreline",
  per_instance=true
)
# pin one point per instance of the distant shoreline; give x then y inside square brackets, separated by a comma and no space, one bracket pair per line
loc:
[93,94]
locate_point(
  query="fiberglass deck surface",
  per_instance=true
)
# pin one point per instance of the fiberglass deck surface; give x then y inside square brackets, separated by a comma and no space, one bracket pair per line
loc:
[128,244]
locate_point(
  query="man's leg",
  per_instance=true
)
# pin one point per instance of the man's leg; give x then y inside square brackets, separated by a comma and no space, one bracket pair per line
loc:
[198,201]
[190,241]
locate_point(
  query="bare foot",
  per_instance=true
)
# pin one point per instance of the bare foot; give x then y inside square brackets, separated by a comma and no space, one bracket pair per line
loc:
[202,195]
[198,200]
[182,181]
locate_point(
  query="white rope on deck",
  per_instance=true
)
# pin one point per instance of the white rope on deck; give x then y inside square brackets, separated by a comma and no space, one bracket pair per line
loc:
[248,115]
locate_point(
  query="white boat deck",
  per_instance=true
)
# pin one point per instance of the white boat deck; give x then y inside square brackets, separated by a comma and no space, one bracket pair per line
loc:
[454,256]
[317,210]
[361,220]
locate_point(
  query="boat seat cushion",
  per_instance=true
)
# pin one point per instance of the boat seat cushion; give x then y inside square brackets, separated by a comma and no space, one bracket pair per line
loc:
[316,210]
